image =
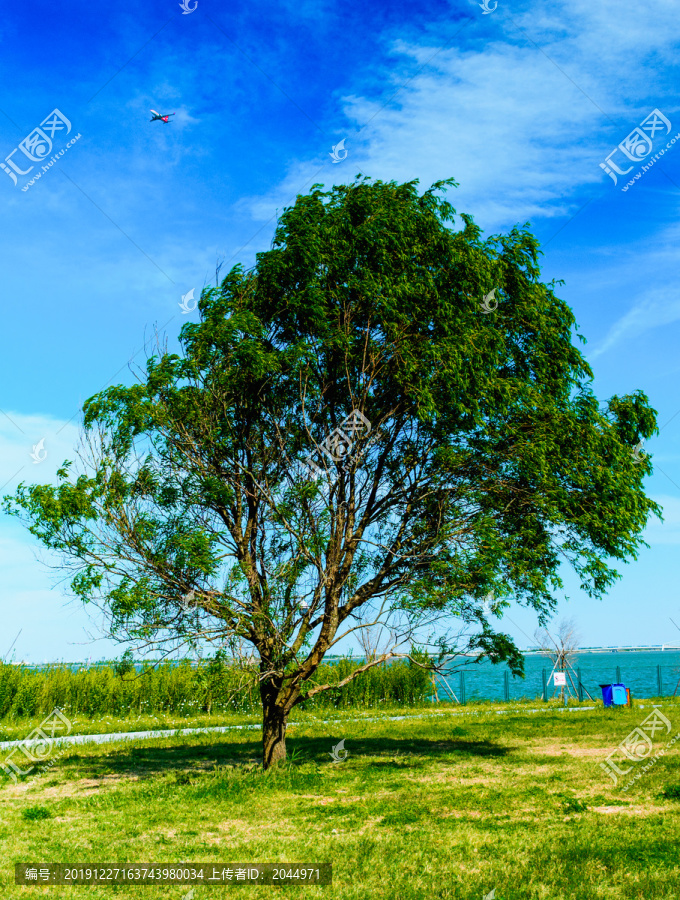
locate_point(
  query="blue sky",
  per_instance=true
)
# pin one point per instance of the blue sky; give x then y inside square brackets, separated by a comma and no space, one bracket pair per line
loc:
[519,105]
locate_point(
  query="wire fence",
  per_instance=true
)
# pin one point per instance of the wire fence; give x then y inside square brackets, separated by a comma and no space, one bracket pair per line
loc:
[583,682]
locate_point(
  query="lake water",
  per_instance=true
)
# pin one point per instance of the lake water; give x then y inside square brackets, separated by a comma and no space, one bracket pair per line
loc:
[484,681]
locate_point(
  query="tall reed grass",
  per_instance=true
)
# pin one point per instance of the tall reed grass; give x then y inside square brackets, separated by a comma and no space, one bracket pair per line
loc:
[186,689]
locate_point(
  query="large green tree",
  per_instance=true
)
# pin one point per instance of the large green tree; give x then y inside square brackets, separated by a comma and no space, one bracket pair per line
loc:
[457,449]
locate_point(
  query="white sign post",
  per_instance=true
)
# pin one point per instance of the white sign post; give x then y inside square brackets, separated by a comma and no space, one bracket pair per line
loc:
[560,681]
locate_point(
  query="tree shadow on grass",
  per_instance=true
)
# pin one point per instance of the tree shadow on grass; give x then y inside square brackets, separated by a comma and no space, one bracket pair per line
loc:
[150,761]
[196,759]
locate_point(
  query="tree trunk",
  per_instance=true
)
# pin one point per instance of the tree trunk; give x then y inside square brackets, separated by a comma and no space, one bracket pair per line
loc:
[274,723]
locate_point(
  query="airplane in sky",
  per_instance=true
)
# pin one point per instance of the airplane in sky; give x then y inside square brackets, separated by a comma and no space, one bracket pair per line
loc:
[157,117]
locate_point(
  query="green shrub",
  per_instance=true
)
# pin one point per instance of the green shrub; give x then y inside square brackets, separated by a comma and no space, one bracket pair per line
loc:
[671,792]
[573,805]
[35,813]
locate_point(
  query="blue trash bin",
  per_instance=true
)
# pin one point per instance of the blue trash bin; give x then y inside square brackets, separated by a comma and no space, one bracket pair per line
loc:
[619,695]
[614,694]
[606,694]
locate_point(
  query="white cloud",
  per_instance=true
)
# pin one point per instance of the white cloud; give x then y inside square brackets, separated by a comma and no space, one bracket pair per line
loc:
[656,307]
[640,279]
[27,438]
[520,114]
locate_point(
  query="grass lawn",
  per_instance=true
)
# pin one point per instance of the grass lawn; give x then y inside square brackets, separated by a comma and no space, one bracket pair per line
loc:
[445,803]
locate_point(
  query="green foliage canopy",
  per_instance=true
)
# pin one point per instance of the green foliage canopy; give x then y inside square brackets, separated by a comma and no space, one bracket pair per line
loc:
[488,459]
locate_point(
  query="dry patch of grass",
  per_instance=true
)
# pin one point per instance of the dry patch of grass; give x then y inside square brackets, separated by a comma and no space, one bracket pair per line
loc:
[631,810]
[547,749]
